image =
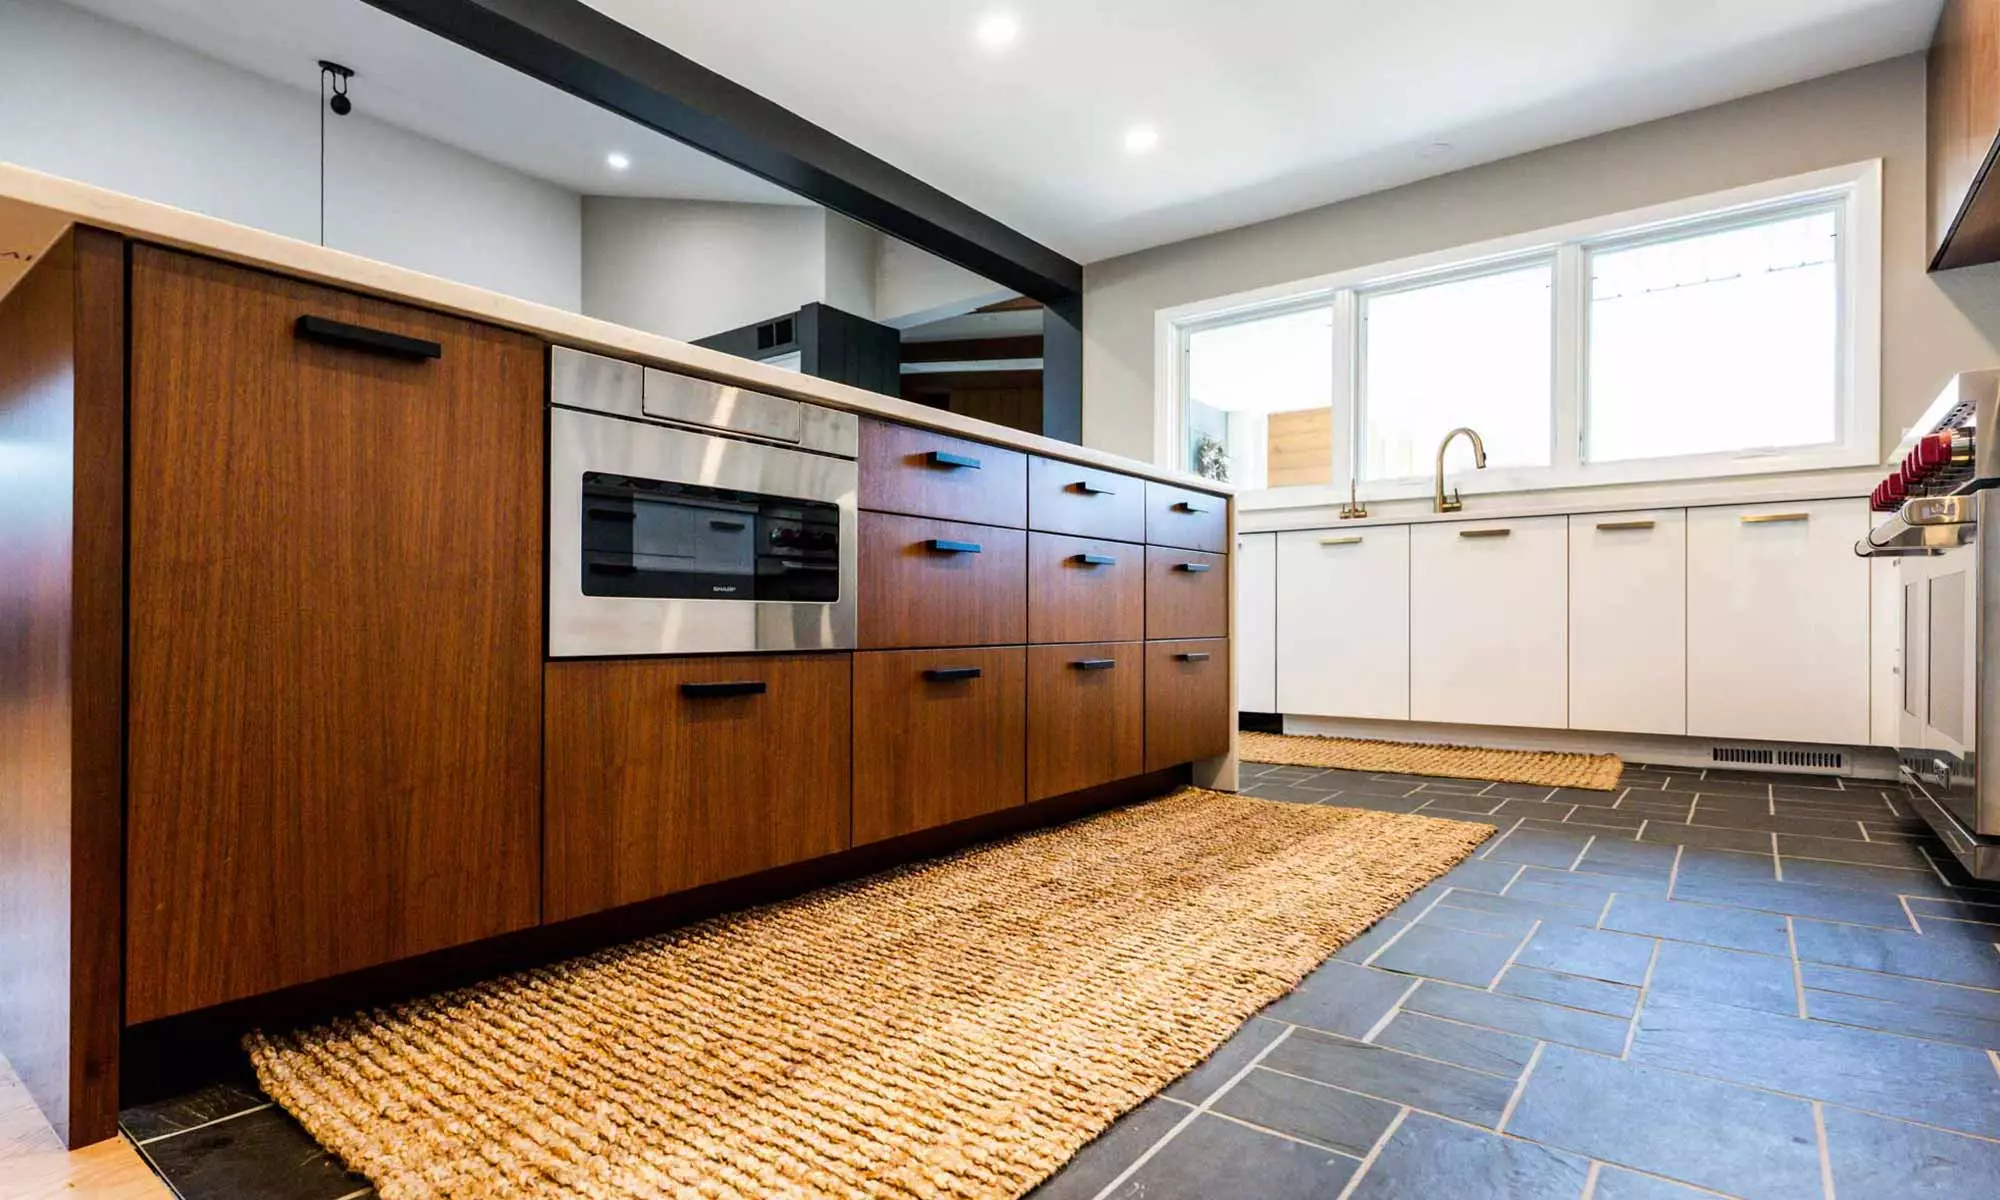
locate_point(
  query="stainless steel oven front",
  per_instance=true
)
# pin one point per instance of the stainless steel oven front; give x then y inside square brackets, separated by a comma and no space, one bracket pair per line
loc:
[692,517]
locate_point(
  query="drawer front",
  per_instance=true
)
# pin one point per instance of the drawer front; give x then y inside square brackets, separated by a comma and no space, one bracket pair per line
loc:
[1080,590]
[1087,502]
[1086,716]
[940,583]
[924,474]
[1187,701]
[1187,594]
[942,737]
[1186,518]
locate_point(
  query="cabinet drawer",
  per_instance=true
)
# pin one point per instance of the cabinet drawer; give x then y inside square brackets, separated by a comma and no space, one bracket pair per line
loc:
[943,737]
[925,474]
[1186,518]
[1066,498]
[1187,701]
[1086,716]
[1081,590]
[1187,594]
[666,774]
[940,583]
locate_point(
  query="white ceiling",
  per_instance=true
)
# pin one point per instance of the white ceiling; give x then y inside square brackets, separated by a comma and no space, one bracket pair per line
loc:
[1264,107]
[411,78]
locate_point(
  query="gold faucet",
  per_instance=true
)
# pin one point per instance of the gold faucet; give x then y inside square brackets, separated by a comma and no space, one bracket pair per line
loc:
[1438,502]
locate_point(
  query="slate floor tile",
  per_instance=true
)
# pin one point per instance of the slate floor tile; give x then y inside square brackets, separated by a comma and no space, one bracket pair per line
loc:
[1342,998]
[1393,1076]
[1375,803]
[1955,909]
[1918,956]
[1430,1157]
[1797,899]
[1285,792]
[260,1153]
[1584,891]
[1225,1061]
[1708,837]
[1439,953]
[1482,876]
[1529,1018]
[1522,791]
[143,1122]
[1890,1017]
[1445,804]
[1897,989]
[1538,848]
[1698,862]
[1535,808]
[1587,796]
[1873,1156]
[1593,954]
[1758,981]
[1887,880]
[1372,938]
[1099,1162]
[1621,833]
[1616,1183]
[1472,920]
[1364,785]
[1638,859]
[1328,1116]
[1748,1143]
[1784,823]
[1730,928]
[1570,991]
[1538,910]
[1955,1087]
[1605,818]
[1485,1050]
[1214,1156]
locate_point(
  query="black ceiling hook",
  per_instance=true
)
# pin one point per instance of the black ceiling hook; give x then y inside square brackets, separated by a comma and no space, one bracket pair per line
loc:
[339,102]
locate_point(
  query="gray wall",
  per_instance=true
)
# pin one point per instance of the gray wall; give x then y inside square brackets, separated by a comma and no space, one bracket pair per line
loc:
[1933,327]
[691,268]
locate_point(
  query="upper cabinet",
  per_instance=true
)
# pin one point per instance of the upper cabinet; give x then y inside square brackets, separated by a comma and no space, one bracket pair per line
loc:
[1964,119]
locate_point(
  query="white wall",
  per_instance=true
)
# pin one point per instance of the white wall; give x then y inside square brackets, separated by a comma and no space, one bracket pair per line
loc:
[914,286]
[93,100]
[691,268]
[1932,326]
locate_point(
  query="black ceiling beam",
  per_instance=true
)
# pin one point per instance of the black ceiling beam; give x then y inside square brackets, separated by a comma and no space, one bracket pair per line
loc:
[572,46]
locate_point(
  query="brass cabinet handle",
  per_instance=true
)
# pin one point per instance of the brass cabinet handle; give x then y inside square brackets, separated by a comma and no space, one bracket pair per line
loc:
[1614,526]
[1484,533]
[1341,541]
[1774,518]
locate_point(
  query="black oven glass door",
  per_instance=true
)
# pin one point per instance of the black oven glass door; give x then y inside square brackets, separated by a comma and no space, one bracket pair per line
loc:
[650,538]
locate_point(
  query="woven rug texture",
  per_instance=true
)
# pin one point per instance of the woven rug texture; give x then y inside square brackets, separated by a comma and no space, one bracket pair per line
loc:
[1597,772]
[958,1028]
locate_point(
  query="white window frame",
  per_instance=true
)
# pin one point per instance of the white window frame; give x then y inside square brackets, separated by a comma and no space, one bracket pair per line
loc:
[1855,191]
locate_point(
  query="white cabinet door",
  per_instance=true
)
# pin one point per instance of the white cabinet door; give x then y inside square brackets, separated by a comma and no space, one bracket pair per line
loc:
[1628,621]
[1778,622]
[1489,628]
[1344,622]
[1256,644]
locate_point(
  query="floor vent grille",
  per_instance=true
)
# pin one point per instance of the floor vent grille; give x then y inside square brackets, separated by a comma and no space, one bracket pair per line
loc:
[1830,760]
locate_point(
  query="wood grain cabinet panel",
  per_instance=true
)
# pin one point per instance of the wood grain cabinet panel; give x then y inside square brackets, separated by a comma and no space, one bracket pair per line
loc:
[942,737]
[1963,119]
[940,583]
[1186,518]
[1187,701]
[335,640]
[923,473]
[1084,590]
[661,777]
[1086,716]
[1066,498]
[1187,594]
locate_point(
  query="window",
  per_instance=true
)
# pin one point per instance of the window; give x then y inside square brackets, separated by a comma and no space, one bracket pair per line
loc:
[1731,334]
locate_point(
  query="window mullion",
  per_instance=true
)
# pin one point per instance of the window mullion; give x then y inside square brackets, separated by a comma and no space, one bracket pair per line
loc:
[1346,345]
[1572,301]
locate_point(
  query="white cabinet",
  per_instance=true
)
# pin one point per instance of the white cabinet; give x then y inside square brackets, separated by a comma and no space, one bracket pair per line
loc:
[1344,622]
[1777,622]
[1628,621]
[1489,626]
[1256,646]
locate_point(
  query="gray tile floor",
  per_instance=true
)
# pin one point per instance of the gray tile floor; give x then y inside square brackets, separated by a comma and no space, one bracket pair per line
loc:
[1703,983]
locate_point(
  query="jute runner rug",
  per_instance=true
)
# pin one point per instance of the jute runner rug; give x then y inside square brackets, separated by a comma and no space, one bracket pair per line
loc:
[1598,772]
[955,1029]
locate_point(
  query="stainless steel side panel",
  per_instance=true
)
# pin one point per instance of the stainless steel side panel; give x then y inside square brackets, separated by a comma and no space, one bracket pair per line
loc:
[688,401]
[1984,616]
[583,626]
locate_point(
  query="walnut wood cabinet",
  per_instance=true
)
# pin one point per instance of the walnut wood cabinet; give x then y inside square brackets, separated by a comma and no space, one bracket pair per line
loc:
[941,737]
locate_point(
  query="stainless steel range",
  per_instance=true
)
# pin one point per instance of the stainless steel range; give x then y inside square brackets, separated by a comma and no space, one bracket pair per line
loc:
[1944,547]
[690,517]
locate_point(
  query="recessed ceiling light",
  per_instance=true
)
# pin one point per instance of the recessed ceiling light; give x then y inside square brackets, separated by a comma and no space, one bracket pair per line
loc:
[997,30]
[617,161]
[1141,138]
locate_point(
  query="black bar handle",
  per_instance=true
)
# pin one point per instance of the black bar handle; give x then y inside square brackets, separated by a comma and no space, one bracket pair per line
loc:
[1093,560]
[944,673]
[947,546]
[1193,656]
[945,458]
[727,526]
[715,691]
[614,514]
[604,568]
[1091,489]
[1194,568]
[328,332]
[1094,664]
[1188,506]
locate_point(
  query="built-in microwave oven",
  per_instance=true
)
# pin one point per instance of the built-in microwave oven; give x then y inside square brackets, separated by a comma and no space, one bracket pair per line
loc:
[687,516]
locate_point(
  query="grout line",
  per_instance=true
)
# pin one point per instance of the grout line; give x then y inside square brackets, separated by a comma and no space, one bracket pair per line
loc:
[1514,1101]
[1518,947]
[1776,857]
[1606,913]
[1394,1009]
[1995,1056]
[1864,831]
[1674,872]
[1639,1005]
[1132,1168]
[1798,972]
[1575,862]
[1825,1159]
[1276,1133]
[204,1125]
[1590,1181]
[1374,1152]
[1910,913]
[1407,926]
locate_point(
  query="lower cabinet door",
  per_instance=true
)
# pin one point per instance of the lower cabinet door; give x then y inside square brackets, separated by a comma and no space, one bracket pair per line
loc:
[1188,716]
[1257,622]
[1489,622]
[666,774]
[942,737]
[1343,619]
[1086,716]
[1628,621]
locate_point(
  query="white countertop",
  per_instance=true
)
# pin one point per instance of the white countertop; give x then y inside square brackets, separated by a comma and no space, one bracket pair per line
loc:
[36,208]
